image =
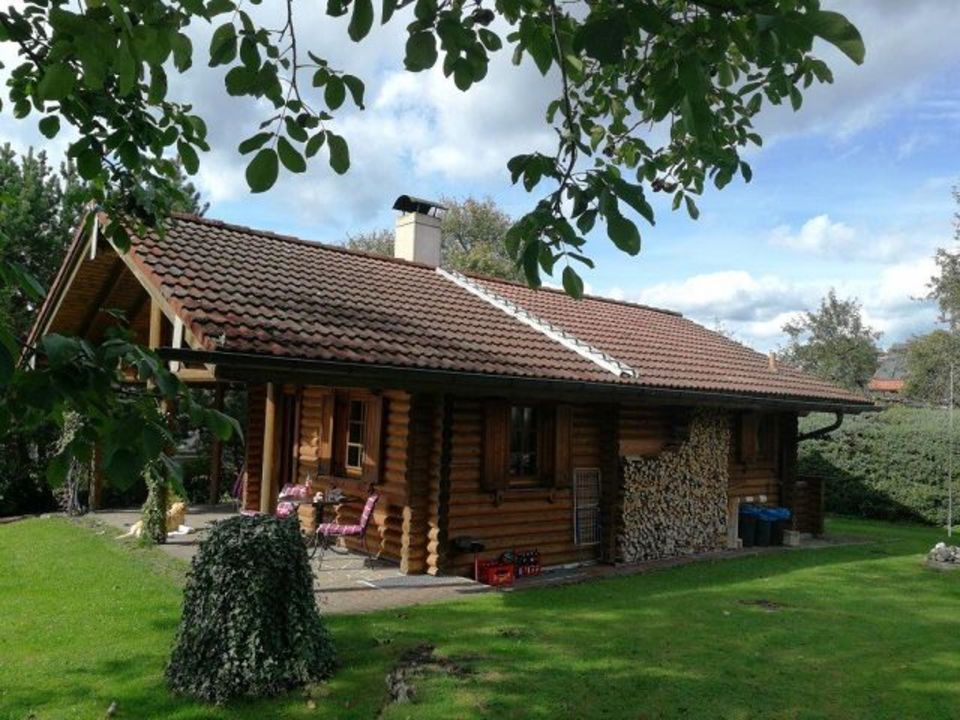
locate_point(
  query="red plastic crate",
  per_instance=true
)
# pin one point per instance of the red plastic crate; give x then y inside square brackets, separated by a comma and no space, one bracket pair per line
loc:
[495,573]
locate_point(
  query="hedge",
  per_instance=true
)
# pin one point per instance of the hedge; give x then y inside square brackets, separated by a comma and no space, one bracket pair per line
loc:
[889,465]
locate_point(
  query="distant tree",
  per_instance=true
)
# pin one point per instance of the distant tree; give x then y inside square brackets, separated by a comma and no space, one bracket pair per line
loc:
[945,287]
[834,343]
[929,358]
[472,233]
[376,242]
[39,207]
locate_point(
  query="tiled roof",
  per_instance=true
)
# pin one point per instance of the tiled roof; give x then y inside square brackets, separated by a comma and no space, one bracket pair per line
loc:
[886,384]
[248,291]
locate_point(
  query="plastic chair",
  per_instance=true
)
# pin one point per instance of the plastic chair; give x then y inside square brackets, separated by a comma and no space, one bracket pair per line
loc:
[330,531]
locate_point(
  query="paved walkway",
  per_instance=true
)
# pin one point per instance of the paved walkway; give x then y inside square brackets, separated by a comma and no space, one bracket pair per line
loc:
[352,583]
[344,582]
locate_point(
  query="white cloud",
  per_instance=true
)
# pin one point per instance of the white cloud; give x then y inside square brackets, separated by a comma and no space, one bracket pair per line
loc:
[756,307]
[818,235]
[734,296]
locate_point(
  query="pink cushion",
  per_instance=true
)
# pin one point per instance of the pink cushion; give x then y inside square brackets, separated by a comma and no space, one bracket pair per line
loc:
[337,529]
[286,509]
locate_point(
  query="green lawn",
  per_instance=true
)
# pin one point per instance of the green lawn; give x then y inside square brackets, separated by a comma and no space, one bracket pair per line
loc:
[858,632]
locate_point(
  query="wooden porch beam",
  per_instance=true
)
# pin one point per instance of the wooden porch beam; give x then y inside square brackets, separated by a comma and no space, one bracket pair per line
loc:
[215,452]
[269,449]
[156,324]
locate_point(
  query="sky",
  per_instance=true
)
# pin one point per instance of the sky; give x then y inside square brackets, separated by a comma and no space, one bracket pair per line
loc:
[852,193]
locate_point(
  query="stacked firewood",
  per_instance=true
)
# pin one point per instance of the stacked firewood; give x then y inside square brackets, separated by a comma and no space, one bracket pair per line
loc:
[676,503]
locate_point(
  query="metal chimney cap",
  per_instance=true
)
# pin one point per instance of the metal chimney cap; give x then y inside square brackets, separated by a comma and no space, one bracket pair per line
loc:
[410,204]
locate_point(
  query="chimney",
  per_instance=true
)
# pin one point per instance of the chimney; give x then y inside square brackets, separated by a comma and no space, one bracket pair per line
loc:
[417,236]
[772,361]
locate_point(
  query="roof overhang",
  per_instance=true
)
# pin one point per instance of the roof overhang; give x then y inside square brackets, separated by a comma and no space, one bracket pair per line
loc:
[251,367]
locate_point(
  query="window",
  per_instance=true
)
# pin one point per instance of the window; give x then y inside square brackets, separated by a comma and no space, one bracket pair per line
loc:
[524,430]
[354,437]
[526,445]
[349,434]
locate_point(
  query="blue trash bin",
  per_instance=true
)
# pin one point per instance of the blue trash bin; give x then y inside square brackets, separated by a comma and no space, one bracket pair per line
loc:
[777,517]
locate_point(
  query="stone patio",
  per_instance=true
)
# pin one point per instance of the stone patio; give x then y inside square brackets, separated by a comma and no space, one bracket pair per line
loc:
[347,582]
[344,582]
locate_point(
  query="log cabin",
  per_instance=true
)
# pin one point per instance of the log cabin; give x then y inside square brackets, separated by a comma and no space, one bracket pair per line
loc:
[591,430]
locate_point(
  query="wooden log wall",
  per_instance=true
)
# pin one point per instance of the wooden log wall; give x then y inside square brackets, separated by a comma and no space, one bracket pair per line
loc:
[253,462]
[675,502]
[757,477]
[539,519]
[385,533]
[807,504]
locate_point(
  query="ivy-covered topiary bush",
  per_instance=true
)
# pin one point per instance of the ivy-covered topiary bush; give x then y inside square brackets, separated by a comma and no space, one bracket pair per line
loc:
[250,625]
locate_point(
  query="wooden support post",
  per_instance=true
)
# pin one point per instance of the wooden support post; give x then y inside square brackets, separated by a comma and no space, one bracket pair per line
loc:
[215,451]
[176,342]
[269,450]
[156,324]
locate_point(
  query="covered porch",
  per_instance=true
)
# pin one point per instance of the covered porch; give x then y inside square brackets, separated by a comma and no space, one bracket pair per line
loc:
[345,581]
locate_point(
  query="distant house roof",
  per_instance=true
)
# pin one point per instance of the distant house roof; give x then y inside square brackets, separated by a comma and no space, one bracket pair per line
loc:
[889,385]
[241,291]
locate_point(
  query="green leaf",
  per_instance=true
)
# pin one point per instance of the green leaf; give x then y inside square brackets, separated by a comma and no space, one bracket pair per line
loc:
[356,88]
[692,210]
[30,286]
[838,31]
[182,52]
[491,41]
[572,283]
[602,38]
[462,74]
[334,93]
[8,362]
[339,153]
[361,21]
[158,85]
[314,144]
[50,126]
[240,80]
[254,142]
[191,163]
[421,51]
[222,425]
[223,45]
[389,6]
[796,98]
[262,170]
[60,349]
[89,164]
[57,82]
[623,233]
[291,159]
[531,263]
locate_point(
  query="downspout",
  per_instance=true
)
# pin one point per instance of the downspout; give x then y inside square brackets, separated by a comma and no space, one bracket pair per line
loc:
[821,432]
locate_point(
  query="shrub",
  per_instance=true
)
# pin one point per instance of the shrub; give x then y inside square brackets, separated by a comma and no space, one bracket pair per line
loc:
[250,624]
[888,466]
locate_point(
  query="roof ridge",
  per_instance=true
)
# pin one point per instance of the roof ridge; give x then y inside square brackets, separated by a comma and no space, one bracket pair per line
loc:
[294,239]
[555,333]
[559,291]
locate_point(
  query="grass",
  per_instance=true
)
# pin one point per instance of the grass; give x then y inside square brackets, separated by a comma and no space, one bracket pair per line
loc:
[860,631]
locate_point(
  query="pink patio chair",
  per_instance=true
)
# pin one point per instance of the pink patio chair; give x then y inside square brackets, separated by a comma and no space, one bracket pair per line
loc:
[328,532]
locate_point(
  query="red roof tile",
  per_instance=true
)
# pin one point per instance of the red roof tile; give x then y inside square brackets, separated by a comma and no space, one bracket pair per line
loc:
[269,294]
